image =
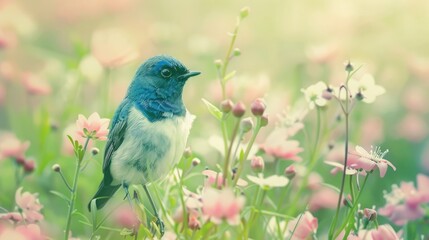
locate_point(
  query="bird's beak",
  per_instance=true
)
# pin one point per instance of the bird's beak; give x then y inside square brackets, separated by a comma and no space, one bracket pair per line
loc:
[188,75]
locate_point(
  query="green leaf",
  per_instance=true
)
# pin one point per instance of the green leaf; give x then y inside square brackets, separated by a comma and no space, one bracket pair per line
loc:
[71,140]
[58,194]
[229,76]
[93,207]
[331,187]
[213,110]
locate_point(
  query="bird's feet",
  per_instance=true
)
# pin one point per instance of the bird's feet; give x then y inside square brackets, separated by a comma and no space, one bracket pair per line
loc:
[161,226]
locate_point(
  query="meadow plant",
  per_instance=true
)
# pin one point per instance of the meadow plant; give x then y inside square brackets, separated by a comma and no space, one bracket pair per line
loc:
[264,181]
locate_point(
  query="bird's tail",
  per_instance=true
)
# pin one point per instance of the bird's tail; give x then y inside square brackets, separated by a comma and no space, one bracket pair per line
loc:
[103,194]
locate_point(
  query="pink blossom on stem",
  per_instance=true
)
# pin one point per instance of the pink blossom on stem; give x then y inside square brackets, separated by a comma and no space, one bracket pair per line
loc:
[93,127]
[277,145]
[126,217]
[221,205]
[22,232]
[13,217]
[372,159]
[11,146]
[303,226]
[323,198]
[215,178]
[2,94]
[30,205]
[383,232]
[35,85]
[403,203]
[71,130]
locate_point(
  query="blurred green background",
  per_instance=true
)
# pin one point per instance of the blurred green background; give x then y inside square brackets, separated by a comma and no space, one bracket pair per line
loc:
[50,71]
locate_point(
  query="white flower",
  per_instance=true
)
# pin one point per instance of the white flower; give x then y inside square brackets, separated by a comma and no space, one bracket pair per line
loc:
[269,182]
[366,88]
[314,94]
[275,228]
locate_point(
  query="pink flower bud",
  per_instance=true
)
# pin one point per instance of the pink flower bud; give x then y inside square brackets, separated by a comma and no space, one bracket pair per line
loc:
[239,110]
[20,160]
[370,214]
[327,94]
[246,125]
[258,107]
[257,164]
[29,166]
[290,172]
[126,217]
[226,106]
[347,201]
[193,222]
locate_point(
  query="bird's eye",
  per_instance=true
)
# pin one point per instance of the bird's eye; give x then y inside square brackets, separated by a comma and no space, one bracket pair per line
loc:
[166,72]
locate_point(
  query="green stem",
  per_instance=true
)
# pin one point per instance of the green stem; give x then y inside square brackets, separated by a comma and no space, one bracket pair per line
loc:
[228,58]
[228,153]
[224,132]
[248,148]
[346,151]
[352,211]
[74,191]
[352,191]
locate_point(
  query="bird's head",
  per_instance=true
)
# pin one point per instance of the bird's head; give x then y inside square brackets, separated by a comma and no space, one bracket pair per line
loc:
[160,77]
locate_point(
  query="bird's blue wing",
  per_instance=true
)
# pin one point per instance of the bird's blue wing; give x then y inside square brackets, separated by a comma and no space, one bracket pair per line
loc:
[116,136]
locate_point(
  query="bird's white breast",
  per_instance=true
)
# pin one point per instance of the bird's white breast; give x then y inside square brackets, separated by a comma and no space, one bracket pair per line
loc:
[149,149]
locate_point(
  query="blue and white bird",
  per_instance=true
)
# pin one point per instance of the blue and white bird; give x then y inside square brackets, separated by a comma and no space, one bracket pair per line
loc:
[149,129]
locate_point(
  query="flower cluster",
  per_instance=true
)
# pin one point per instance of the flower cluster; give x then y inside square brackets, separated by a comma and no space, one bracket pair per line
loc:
[405,202]
[12,147]
[364,89]
[25,219]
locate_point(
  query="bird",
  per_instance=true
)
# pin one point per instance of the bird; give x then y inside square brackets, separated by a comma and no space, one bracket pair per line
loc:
[148,131]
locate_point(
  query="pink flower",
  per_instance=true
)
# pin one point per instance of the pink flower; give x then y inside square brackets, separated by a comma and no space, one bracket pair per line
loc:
[384,232]
[93,127]
[323,198]
[7,39]
[304,226]
[13,217]
[413,127]
[374,158]
[354,162]
[221,205]
[22,232]
[10,146]
[8,71]
[112,48]
[29,203]
[71,130]
[126,217]
[214,178]
[2,94]
[35,85]
[279,146]
[404,203]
